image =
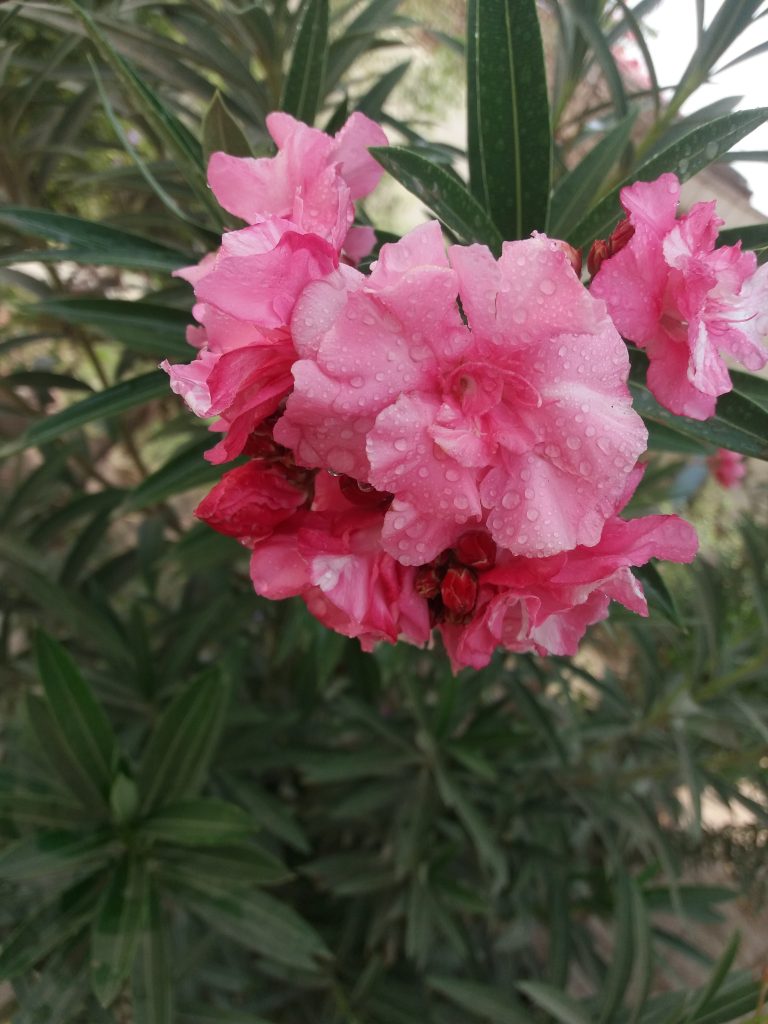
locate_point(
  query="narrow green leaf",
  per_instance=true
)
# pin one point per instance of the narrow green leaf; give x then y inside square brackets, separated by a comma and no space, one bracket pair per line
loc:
[44,380]
[81,721]
[617,980]
[371,102]
[486,844]
[48,928]
[144,327]
[222,131]
[90,242]
[43,810]
[183,472]
[222,867]
[484,1001]
[198,822]
[303,89]
[175,761]
[657,593]
[117,929]
[716,980]
[261,923]
[751,236]
[103,405]
[695,151]
[153,984]
[48,853]
[595,37]
[578,189]
[564,1009]
[508,128]
[442,192]
[739,424]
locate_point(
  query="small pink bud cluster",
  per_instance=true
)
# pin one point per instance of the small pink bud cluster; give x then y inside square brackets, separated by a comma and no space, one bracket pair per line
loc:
[442,444]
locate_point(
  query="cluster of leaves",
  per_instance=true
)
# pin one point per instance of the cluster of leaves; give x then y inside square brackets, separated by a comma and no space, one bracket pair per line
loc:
[435,850]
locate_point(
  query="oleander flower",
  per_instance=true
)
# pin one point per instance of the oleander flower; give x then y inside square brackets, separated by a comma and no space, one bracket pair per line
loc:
[669,290]
[727,467]
[312,181]
[544,605]
[519,419]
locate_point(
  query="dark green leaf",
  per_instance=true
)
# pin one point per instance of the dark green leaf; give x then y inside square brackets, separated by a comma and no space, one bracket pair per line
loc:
[117,929]
[185,472]
[222,132]
[90,242]
[442,192]
[739,424]
[657,593]
[143,327]
[371,102]
[564,1009]
[175,762]
[715,983]
[48,853]
[579,187]
[48,928]
[83,726]
[243,864]
[153,984]
[491,1004]
[303,89]
[261,923]
[198,823]
[508,128]
[103,405]
[695,151]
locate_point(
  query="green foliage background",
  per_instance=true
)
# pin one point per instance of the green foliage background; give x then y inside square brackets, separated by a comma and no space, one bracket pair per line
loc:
[213,810]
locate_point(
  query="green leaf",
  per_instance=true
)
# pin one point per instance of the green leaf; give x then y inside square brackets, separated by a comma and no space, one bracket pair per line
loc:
[595,37]
[483,1001]
[82,724]
[117,929]
[222,867]
[508,114]
[222,132]
[143,327]
[43,380]
[751,236]
[657,593]
[303,89]
[486,844]
[45,810]
[183,472]
[371,102]
[198,822]
[89,242]
[739,424]
[577,189]
[47,929]
[175,761]
[557,1003]
[716,980]
[617,980]
[48,853]
[182,144]
[103,405]
[442,192]
[261,923]
[686,156]
[153,982]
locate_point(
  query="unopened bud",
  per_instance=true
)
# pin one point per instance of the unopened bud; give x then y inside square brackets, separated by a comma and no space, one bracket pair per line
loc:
[600,251]
[427,581]
[620,235]
[476,550]
[459,593]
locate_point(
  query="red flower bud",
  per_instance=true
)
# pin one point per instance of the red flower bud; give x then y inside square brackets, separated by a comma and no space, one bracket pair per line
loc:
[620,235]
[362,494]
[459,593]
[600,251]
[573,255]
[427,581]
[476,550]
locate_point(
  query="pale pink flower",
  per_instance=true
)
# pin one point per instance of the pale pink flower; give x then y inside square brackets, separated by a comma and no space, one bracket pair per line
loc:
[313,181]
[727,467]
[521,419]
[672,293]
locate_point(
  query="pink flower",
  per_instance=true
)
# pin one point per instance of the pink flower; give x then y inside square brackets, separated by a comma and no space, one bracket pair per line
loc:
[671,292]
[250,501]
[520,420]
[545,605]
[727,467]
[312,181]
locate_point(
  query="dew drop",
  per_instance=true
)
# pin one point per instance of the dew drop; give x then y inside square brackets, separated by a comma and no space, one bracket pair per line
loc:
[532,515]
[573,442]
[547,286]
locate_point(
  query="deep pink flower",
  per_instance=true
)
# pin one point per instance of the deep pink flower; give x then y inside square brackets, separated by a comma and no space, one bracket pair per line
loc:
[727,467]
[521,420]
[545,605]
[671,292]
[312,181]
[250,501]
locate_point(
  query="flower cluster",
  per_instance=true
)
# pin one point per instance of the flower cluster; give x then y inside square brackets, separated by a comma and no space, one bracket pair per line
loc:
[444,443]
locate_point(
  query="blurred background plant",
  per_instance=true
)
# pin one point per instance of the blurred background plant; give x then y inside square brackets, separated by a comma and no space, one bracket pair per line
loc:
[211,809]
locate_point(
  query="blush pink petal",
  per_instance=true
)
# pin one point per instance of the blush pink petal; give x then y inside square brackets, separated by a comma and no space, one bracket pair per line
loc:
[350,152]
